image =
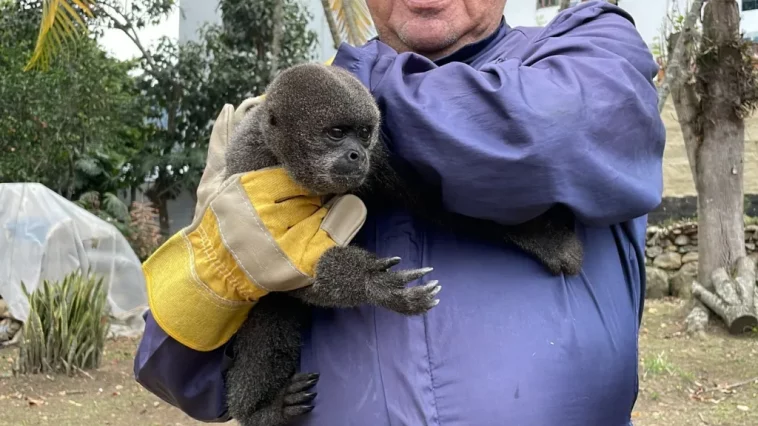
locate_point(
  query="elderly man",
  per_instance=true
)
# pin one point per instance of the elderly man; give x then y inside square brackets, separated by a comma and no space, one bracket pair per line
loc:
[507,122]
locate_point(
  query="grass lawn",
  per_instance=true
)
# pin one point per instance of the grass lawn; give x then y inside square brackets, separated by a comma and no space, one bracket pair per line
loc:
[682,383]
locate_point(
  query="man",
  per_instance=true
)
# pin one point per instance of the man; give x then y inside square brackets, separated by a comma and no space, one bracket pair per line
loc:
[507,122]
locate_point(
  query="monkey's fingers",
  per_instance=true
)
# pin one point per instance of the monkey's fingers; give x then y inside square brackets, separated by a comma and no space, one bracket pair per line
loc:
[302,381]
[297,410]
[300,398]
[414,300]
[385,264]
[399,279]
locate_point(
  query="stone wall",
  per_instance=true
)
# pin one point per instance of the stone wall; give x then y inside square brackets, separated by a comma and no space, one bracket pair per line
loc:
[671,258]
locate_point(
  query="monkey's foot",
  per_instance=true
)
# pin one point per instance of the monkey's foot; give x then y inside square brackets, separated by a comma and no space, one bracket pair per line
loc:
[388,288]
[566,259]
[294,401]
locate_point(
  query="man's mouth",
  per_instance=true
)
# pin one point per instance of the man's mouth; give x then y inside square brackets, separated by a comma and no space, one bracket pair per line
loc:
[426,6]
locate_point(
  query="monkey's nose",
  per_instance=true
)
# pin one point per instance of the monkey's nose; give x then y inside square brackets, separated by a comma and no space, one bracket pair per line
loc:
[354,156]
[350,162]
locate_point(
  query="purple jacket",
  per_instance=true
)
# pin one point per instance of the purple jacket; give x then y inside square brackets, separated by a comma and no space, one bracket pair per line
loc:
[507,127]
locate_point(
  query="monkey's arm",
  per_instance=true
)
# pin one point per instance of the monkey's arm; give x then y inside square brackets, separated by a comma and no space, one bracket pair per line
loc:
[348,276]
[263,388]
[550,238]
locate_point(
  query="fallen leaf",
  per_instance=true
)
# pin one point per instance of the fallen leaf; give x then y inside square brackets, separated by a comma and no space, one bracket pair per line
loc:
[74,403]
[743,408]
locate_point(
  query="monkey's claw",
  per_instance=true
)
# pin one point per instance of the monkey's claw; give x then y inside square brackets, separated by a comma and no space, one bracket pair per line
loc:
[385,264]
[297,398]
[414,300]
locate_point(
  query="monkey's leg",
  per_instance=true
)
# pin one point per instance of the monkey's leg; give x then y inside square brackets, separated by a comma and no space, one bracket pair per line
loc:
[263,388]
[556,246]
[550,238]
[349,276]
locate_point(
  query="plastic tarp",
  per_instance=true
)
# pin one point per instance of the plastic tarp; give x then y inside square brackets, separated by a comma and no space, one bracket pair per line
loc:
[44,236]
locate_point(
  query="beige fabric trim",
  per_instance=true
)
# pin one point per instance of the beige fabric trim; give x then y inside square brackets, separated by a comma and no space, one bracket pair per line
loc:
[344,219]
[251,244]
[215,163]
[215,167]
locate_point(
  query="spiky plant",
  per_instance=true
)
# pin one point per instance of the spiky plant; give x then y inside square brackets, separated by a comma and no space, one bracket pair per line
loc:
[67,326]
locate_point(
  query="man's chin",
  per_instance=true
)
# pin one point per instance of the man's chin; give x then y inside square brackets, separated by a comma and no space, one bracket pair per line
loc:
[427,36]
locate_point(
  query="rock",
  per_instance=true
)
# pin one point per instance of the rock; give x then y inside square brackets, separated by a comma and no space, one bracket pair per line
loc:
[657,283]
[751,228]
[682,240]
[754,256]
[667,243]
[3,309]
[677,231]
[669,260]
[653,252]
[8,329]
[681,281]
[672,248]
[690,257]
[750,247]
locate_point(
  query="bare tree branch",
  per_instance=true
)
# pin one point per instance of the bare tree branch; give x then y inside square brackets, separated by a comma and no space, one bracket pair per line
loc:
[125,25]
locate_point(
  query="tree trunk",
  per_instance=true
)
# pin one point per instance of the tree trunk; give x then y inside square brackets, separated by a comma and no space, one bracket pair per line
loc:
[336,37]
[717,148]
[161,204]
[276,42]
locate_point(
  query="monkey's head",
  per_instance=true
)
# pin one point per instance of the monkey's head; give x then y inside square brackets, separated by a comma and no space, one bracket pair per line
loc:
[322,124]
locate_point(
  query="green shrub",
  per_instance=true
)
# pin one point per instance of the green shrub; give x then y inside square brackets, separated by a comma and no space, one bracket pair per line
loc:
[66,328]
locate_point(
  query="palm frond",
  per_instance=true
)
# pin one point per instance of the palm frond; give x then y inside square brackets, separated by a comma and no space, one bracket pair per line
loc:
[89,166]
[61,22]
[353,20]
[115,207]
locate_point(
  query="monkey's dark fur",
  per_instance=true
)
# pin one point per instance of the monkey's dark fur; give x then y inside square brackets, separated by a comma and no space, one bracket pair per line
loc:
[322,125]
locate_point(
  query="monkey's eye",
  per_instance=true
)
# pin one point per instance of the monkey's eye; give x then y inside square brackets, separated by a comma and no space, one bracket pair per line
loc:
[336,133]
[364,133]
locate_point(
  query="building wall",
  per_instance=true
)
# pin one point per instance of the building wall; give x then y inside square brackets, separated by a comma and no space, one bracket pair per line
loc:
[649,15]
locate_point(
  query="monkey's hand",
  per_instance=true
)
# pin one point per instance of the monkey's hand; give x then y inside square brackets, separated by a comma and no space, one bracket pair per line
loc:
[347,276]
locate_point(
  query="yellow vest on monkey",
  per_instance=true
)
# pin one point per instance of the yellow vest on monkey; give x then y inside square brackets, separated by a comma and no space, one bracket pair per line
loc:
[259,231]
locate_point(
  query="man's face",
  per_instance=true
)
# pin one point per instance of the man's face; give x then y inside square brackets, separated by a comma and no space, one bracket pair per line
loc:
[434,28]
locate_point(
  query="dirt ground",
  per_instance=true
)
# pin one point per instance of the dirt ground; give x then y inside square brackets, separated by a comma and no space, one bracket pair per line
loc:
[684,382]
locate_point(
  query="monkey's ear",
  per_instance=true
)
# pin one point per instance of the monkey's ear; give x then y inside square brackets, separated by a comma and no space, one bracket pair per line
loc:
[272,119]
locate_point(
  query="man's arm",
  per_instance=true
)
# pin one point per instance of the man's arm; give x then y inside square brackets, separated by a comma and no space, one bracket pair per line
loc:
[190,380]
[575,122]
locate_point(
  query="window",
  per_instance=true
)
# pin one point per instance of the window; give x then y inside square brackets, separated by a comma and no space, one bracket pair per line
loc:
[749,5]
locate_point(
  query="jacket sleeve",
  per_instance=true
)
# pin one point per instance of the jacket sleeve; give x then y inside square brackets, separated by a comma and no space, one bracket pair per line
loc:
[190,380]
[573,120]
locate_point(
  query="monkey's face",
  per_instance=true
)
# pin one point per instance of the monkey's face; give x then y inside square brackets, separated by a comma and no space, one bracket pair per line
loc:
[323,125]
[334,157]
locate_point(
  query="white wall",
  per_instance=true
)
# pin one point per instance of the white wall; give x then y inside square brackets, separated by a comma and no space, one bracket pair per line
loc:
[649,15]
